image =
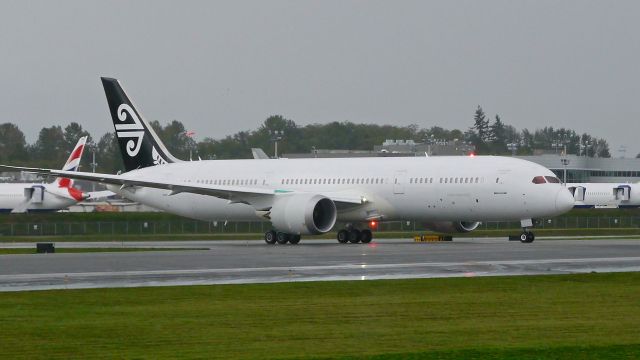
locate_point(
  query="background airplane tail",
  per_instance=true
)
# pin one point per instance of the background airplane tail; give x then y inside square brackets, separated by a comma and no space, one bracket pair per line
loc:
[73,162]
[139,145]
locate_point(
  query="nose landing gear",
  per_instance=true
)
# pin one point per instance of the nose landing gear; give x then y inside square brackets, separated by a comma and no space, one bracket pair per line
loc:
[526,236]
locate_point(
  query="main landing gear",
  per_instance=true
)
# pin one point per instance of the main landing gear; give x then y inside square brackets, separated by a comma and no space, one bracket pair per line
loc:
[272,237]
[350,235]
[354,236]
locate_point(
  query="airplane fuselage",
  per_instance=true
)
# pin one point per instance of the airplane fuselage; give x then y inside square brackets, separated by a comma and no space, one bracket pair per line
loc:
[45,197]
[606,195]
[417,188]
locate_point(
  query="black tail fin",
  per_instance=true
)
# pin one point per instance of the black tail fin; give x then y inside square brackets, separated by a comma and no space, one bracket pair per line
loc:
[139,144]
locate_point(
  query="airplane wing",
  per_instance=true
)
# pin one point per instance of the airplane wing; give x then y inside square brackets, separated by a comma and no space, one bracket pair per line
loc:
[259,198]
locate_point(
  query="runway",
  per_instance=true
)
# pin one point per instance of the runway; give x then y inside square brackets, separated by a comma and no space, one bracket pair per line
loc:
[240,261]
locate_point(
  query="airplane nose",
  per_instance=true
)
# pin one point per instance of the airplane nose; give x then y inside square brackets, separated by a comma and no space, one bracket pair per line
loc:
[564,200]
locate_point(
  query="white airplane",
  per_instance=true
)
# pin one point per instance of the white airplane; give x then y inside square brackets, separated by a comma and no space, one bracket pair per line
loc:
[30,197]
[605,195]
[308,196]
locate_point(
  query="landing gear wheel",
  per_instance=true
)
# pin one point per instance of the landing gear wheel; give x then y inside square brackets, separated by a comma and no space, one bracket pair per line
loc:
[343,236]
[366,236]
[294,239]
[527,237]
[282,238]
[270,237]
[354,236]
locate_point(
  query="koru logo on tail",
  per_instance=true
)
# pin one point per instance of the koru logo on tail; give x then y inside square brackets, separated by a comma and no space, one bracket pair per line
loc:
[157,159]
[134,130]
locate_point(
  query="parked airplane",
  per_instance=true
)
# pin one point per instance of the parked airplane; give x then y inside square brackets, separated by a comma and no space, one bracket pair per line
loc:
[308,196]
[30,197]
[605,195]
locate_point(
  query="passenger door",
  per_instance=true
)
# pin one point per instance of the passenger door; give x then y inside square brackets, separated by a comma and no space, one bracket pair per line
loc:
[399,180]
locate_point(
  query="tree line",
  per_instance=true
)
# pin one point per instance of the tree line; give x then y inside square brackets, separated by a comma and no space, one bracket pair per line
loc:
[496,137]
[490,136]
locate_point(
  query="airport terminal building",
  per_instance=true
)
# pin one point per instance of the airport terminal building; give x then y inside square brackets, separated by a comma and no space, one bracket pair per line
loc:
[587,169]
[577,168]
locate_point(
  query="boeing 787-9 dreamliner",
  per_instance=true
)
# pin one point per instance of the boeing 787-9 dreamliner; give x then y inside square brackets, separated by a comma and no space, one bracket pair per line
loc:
[308,196]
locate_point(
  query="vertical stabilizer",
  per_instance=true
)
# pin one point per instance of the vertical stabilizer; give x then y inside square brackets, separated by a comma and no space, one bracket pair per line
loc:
[73,162]
[139,144]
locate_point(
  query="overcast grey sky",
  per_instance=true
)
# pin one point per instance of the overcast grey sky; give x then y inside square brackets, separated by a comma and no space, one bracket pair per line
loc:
[224,66]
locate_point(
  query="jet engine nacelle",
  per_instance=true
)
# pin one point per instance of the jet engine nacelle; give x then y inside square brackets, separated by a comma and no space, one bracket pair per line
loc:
[449,227]
[303,214]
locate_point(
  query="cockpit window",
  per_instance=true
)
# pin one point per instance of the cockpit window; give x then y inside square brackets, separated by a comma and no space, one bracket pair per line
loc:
[538,180]
[552,179]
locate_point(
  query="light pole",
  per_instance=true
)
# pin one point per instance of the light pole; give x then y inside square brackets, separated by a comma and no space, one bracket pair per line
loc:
[585,147]
[429,141]
[276,135]
[93,164]
[565,162]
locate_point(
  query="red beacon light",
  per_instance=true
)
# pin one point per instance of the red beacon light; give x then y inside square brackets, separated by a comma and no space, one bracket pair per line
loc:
[373,224]
[472,154]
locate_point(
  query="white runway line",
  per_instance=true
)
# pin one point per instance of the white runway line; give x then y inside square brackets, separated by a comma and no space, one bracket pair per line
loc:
[313,268]
[113,279]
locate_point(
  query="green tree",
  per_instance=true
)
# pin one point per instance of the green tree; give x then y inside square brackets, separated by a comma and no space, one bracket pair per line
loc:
[478,134]
[176,138]
[51,149]
[73,132]
[481,124]
[602,148]
[13,146]
[498,136]
[108,156]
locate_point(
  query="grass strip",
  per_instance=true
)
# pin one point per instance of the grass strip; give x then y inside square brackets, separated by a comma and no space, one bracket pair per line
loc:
[560,316]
